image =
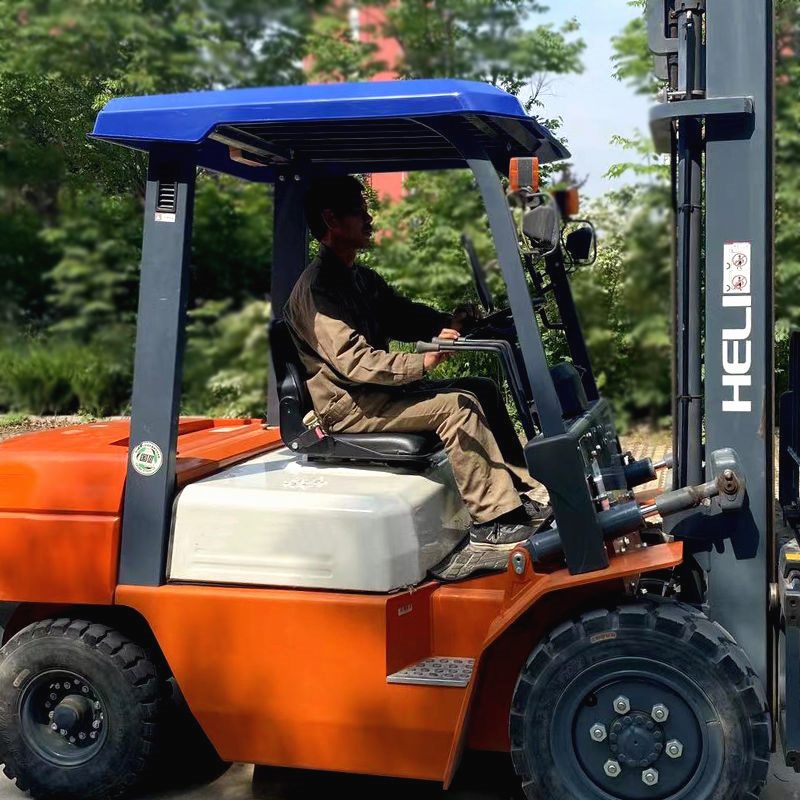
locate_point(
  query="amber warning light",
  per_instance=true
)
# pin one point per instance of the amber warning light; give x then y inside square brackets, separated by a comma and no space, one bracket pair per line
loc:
[523,173]
[569,201]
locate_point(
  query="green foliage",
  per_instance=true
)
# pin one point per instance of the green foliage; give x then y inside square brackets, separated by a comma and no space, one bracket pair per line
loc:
[226,360]
[421,252]
[481,40]
[625,301]
[333,53]
[232,240]
[633,62]
[58,375]
[787,154]
[13,420]
[95,280]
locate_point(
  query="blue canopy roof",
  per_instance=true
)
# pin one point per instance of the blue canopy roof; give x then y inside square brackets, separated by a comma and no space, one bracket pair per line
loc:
[390,126]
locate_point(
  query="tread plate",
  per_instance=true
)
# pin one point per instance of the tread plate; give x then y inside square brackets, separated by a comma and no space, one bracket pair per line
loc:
[436,671]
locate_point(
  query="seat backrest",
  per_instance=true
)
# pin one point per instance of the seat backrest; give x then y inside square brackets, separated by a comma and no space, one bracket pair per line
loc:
[294,400]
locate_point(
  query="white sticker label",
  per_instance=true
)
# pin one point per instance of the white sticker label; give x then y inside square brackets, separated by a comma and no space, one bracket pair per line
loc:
[737,331]
[737,267]
[147,458]
[163,216]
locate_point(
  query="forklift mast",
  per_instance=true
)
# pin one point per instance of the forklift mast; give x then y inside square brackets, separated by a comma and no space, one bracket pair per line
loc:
[716,120]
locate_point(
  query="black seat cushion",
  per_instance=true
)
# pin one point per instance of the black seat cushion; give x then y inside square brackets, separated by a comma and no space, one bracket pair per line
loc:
[411,445]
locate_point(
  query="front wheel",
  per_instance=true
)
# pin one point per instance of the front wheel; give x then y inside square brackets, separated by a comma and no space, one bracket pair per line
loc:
[649,701]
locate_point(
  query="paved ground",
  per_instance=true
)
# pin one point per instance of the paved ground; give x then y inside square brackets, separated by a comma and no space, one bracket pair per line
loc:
[484,779]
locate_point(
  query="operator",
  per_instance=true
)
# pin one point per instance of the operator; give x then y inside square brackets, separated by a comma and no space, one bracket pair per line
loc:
[346,314]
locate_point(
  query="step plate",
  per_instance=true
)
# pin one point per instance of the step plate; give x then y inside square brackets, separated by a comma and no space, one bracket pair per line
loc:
[437,671]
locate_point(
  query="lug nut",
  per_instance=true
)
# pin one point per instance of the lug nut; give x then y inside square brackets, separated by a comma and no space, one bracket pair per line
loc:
[598,732]
[622,705]
[674,748]
[51,714]
[660,712]
[650,776]
[93,735]
[54,727]
[96,724]
[612,768]
[85,689]
[81,735]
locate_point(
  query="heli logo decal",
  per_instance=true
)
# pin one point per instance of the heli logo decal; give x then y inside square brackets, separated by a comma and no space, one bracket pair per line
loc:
[147,458]
[737,346]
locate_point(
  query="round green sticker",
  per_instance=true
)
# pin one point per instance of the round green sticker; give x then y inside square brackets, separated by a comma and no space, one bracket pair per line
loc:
[147,458]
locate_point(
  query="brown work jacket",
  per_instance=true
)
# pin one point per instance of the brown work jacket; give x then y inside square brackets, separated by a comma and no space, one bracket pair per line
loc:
[345,318]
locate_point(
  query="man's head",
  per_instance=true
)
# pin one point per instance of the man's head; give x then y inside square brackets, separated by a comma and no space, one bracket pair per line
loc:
[337,213]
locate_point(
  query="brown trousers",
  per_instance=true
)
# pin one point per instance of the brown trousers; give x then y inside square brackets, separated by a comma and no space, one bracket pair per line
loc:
[471,419]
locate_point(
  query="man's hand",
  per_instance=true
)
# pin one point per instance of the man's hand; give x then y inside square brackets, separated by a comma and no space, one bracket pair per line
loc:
[432,360]
[466,317]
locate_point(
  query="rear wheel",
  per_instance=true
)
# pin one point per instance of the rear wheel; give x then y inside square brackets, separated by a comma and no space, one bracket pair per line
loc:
[80,708]
[648,701]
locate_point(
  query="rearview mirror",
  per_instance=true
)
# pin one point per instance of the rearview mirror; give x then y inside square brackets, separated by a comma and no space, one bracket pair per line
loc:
[542,227]
[581,244]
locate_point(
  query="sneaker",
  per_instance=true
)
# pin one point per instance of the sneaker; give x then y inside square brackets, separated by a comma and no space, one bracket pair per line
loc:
[498,535]
[536,512]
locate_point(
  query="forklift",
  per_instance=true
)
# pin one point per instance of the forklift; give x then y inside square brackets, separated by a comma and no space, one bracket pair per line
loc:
[275,581]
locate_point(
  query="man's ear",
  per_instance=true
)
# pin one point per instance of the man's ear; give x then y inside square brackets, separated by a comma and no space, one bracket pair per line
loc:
[329,218]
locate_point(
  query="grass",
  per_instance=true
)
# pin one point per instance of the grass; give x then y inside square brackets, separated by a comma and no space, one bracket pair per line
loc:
[13,420]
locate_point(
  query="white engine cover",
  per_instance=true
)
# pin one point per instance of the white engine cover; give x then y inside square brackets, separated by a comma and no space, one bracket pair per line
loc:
[277,520]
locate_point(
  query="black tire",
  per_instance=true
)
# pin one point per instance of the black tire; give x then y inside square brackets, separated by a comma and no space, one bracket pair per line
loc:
[187,757]
[650,653]
[120,700]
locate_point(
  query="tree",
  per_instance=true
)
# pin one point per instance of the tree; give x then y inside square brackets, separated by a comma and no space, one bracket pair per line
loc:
[469,39]
[475,39]
[70,208]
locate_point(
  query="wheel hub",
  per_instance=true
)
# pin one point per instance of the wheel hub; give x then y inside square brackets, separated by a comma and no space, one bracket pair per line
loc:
[72,713]
[636,740]
[62,718]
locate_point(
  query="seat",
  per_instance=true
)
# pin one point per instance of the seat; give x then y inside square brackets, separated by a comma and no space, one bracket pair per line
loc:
[409,449]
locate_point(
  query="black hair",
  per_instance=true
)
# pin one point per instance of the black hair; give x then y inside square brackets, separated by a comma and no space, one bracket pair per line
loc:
[342,195]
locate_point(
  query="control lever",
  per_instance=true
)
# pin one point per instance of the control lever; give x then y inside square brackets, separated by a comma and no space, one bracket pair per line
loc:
[505,352]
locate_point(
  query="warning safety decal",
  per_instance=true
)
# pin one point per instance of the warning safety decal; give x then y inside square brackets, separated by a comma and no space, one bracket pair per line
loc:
[147,458]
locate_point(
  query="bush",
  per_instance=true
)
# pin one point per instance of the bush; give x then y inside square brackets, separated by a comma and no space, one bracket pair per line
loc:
[48,375]
[225,372]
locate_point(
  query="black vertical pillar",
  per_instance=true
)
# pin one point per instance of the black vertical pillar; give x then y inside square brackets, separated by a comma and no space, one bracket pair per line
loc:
[289,257]
[160,335]
[739,310]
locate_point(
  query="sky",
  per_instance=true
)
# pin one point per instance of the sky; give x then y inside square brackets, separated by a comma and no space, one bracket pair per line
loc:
[594,105]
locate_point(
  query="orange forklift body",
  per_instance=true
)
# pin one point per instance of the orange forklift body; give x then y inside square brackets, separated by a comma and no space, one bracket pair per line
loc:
[61,501]
[298,677]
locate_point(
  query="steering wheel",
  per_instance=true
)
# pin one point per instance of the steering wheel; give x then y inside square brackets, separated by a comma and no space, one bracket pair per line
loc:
[478,274]
[497,324]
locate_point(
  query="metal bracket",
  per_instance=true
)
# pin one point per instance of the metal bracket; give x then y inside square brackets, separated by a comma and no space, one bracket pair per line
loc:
[682,6]
[662,115]
[661,45]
